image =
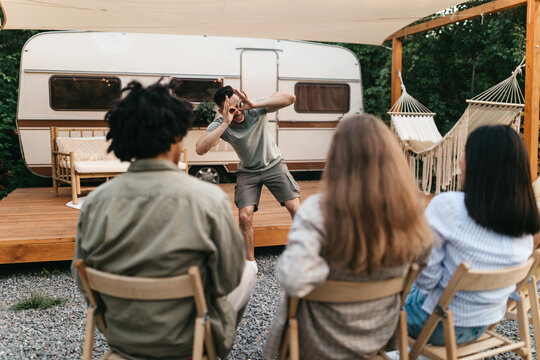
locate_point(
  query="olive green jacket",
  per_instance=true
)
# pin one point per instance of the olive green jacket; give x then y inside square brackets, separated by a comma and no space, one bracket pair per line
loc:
[155,221]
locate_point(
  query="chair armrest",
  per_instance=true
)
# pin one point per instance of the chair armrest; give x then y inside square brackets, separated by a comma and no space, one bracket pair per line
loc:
[62,160]
[61,153]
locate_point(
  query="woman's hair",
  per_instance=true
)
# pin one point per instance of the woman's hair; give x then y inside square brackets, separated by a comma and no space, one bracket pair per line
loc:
[498,189]
[147,121]
[374,214]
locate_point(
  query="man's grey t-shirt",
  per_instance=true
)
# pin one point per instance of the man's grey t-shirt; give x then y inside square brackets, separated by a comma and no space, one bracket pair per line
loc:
[251,140]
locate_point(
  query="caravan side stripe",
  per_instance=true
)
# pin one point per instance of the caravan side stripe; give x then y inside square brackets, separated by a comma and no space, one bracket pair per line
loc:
[308,124]
[62,123]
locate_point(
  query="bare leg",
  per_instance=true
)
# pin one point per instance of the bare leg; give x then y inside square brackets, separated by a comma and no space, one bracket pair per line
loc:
[245,216]
[292,205]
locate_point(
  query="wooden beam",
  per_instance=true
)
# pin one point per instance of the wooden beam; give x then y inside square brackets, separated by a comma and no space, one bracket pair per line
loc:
[397,45]
[532,84]
[36,252]
[488,8]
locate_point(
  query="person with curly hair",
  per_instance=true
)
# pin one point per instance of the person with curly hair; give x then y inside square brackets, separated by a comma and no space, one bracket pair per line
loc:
[156,221]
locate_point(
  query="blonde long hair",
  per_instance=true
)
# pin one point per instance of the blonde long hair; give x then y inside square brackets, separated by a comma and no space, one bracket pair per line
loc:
[374,214]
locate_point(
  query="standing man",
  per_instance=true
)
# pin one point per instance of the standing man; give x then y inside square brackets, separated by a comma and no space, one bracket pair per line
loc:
[243,124]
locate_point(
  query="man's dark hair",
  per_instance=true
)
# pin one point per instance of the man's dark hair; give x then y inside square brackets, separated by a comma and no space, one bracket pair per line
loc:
[147,121]
[498,189]
[219,96]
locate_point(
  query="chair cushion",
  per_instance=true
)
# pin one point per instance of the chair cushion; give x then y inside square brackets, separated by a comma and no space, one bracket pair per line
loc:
[101,166]
[85,148]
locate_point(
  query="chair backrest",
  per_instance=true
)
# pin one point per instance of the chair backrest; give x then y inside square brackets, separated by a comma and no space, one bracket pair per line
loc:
[476,280]
[68,139]
[139,288]
[96,282]
[346,292]
[465,279]
[76,132]
[534,271]
[144,288]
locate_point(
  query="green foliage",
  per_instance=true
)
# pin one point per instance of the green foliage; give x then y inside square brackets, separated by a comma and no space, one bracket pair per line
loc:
[444,67]
[375,64]
[204,114]
[54,271]
[13,172]
[5,178]
[37,301]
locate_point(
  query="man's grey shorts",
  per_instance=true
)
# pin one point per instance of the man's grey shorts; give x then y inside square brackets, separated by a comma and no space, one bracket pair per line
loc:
[277,179]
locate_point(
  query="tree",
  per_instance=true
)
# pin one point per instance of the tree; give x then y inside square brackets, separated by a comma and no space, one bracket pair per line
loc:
[444,67]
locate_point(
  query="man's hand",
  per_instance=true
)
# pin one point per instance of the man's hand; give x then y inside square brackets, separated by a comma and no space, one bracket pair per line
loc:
[208,140]
[227,116]
[245,103]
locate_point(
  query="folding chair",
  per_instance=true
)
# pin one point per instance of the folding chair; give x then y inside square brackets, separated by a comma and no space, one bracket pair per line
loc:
[345,292]
[97,282]
[489,343]
[528,286]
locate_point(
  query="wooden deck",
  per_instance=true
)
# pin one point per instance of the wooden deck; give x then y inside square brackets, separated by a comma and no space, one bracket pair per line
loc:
[36,225]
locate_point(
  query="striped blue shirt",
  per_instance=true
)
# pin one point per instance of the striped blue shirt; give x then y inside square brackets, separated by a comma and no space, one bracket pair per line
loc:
[461,239]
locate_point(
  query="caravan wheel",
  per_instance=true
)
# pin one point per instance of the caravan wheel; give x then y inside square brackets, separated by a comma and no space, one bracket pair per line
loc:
[208,173]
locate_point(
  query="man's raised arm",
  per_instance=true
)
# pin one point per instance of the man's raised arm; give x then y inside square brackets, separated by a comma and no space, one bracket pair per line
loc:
[274,102]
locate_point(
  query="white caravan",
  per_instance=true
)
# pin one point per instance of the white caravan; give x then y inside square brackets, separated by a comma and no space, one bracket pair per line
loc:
[69,79]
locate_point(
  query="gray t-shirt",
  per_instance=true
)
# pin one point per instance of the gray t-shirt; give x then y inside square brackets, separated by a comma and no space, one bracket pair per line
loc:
[251,140]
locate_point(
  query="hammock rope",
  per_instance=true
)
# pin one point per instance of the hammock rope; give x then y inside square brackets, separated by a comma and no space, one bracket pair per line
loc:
[407,105]
[434,157]
[507,91]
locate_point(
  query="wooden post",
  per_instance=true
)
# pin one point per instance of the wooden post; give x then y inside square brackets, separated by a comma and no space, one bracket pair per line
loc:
[532,84]
[397,44]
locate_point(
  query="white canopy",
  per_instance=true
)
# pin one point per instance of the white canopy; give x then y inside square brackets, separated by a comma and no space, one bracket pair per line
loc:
[353,21]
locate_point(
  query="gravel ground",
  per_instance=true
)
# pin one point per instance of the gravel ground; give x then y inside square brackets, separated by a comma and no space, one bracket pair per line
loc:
[57,333]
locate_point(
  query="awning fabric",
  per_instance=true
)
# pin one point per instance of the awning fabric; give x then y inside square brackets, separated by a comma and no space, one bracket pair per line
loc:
[353,21]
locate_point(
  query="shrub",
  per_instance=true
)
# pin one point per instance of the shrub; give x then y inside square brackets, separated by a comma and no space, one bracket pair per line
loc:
[204,114]
[13,171]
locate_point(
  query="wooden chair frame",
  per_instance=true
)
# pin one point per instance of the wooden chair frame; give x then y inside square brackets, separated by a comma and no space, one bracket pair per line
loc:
[489,343]
[97,282]
[344,292]
[527,287]
[64,173]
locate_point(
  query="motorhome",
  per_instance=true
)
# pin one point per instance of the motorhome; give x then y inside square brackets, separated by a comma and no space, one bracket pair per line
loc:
[70,79]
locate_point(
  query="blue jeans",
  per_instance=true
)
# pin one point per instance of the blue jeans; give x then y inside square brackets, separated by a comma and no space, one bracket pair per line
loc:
[416,318]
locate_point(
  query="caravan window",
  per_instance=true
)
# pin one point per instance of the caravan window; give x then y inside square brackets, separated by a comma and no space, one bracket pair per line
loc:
[321,98]
[196,90]
[83,92]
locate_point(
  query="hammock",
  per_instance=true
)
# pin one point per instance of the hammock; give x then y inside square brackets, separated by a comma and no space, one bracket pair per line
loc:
[431,155]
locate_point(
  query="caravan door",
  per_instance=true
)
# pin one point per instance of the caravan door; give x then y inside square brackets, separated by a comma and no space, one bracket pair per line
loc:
[259,78]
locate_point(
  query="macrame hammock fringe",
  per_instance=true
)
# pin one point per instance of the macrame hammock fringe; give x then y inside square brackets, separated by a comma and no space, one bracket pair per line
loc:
[433,159]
